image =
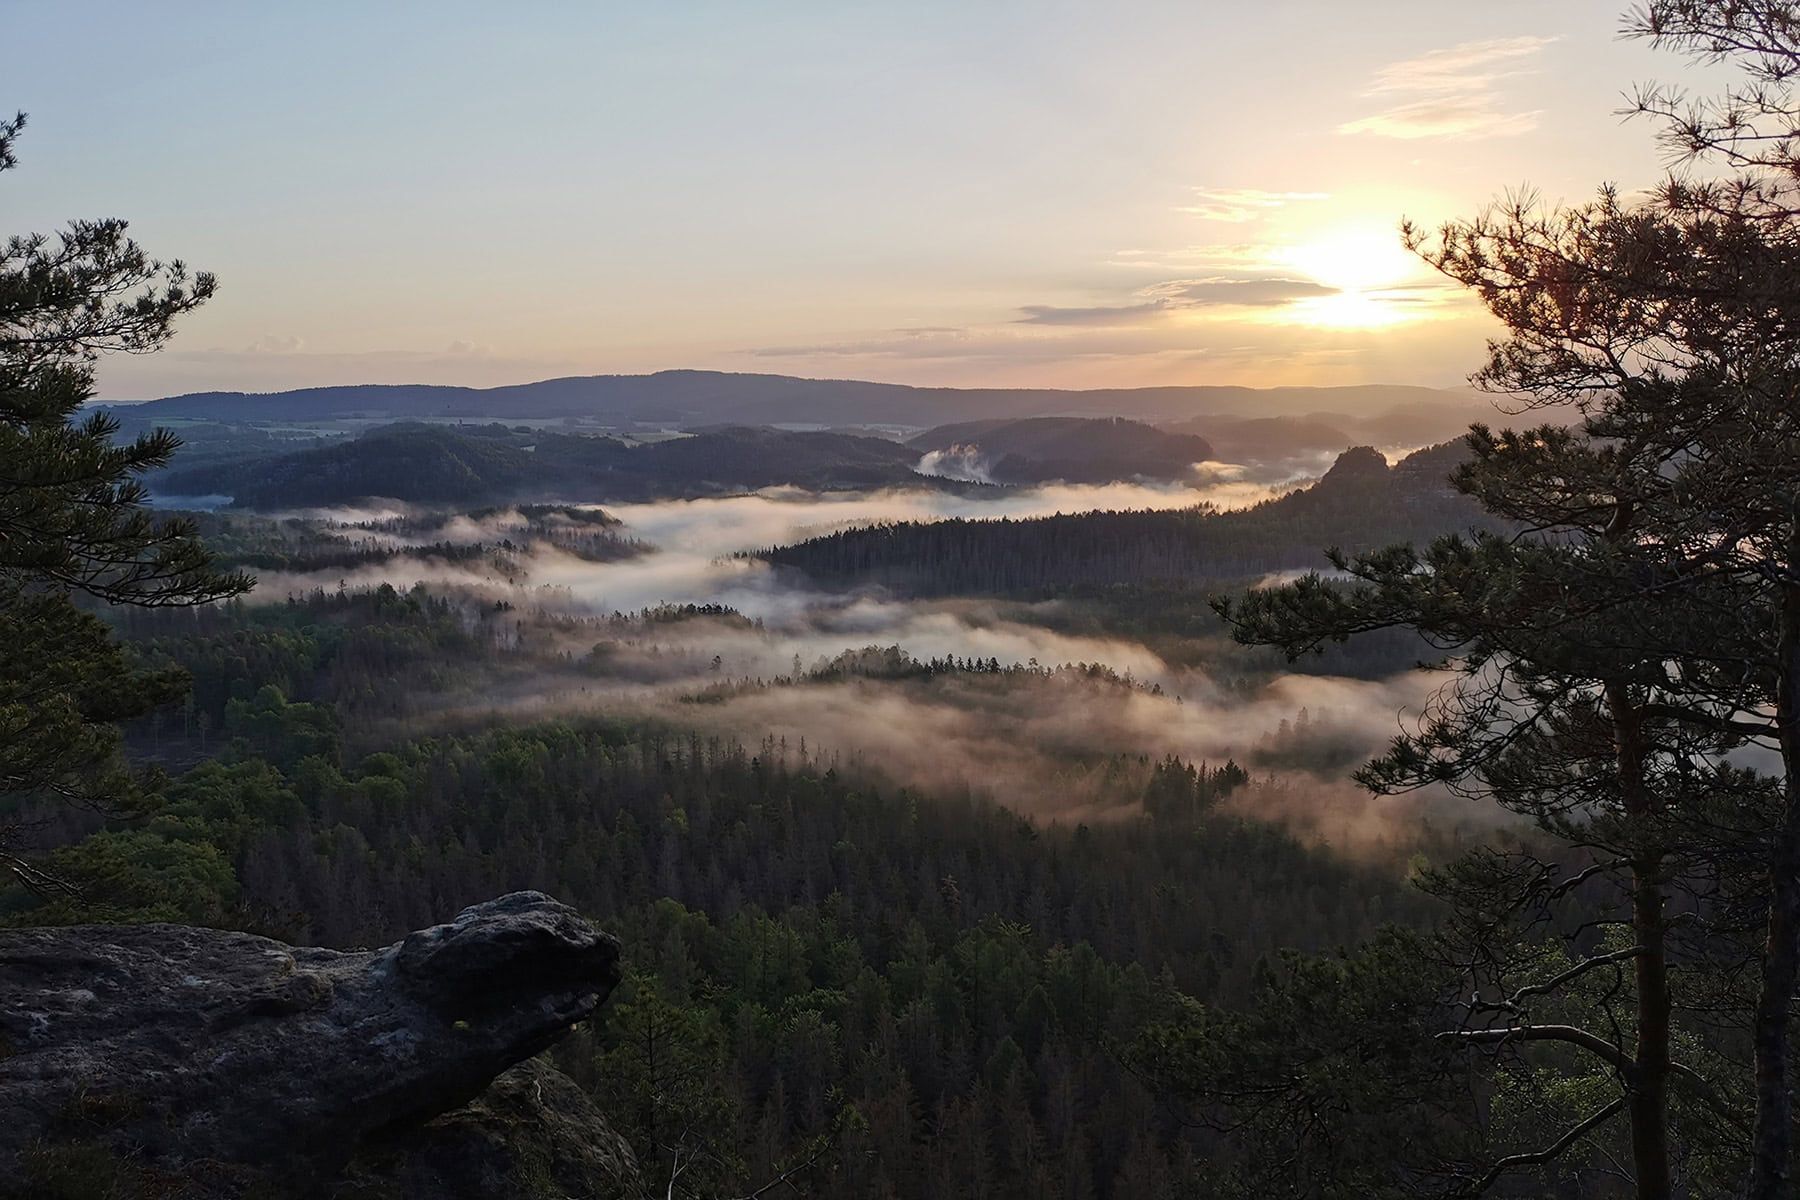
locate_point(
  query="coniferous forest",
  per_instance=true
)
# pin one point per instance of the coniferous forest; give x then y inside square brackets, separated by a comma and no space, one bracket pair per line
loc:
[1028,805]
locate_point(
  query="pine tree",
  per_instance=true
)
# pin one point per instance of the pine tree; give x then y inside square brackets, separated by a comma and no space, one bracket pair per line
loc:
[73,521]
[1642,620]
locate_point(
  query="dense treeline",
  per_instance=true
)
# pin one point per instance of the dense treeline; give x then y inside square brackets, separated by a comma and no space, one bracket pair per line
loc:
[362,655]
[1360,503]
[934,982]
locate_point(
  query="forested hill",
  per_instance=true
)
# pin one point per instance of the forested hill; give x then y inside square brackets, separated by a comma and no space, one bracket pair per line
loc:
[1274,436]
[685,398]
[434,464]
[1075,449]
[1361,503]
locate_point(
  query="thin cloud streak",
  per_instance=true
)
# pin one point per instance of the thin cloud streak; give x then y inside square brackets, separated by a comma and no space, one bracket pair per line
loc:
[1453,93]
[1455,119]
[1467,67]
[1238,206]
[1176,295]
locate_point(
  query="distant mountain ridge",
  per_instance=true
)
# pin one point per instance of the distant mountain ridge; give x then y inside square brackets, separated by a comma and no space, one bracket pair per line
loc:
[435,464]
[703,397]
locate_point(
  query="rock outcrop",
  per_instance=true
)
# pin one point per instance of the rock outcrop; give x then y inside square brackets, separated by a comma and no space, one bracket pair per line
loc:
[229,1063]
[1357,465]
[532,1133]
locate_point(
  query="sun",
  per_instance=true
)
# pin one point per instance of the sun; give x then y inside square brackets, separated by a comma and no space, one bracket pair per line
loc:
[1365,269]
[1356,260]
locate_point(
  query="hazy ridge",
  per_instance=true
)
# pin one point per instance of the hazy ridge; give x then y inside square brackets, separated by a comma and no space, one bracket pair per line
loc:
[689,397]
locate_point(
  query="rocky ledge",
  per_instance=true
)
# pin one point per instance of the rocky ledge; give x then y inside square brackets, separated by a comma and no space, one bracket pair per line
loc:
[170,1060]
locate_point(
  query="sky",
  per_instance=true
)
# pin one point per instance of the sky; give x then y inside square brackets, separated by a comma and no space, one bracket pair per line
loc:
[1004,193]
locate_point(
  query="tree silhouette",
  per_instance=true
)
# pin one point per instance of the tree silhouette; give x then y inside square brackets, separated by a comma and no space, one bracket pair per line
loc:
[73,522]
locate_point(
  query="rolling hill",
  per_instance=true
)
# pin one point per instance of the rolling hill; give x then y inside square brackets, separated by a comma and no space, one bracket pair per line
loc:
[435,464]
[689,398]
[1275,436]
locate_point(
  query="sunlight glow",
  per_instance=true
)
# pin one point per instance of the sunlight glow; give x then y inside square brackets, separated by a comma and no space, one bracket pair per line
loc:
[1362,260]
[1355,310]
[1367,266]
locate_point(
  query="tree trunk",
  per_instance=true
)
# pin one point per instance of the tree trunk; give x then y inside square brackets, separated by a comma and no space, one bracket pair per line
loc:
[1772,1138]
[1772,1142]
[1648,1103]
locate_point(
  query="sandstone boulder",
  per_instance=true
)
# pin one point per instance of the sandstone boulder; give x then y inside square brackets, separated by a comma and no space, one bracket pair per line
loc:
[205,1056]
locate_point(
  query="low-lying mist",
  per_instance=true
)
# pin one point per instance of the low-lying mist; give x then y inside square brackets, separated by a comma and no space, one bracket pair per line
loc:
[747,651]
[696,540]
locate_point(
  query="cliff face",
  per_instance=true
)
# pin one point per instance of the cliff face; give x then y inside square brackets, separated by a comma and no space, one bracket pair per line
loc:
[169,1060]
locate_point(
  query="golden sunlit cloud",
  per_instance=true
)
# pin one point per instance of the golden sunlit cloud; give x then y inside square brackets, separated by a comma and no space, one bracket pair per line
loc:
[1311,270]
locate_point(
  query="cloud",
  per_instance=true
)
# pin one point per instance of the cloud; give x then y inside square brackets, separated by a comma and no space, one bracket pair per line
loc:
[1238,206]
[947,342]
[1247,293]
[276,343]
[1241,256]
[1178,294]
[1103,315]
[1164,331]
[1142,310]
[1466,67]
[1020,341]
[1448,118]
[1452,93]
